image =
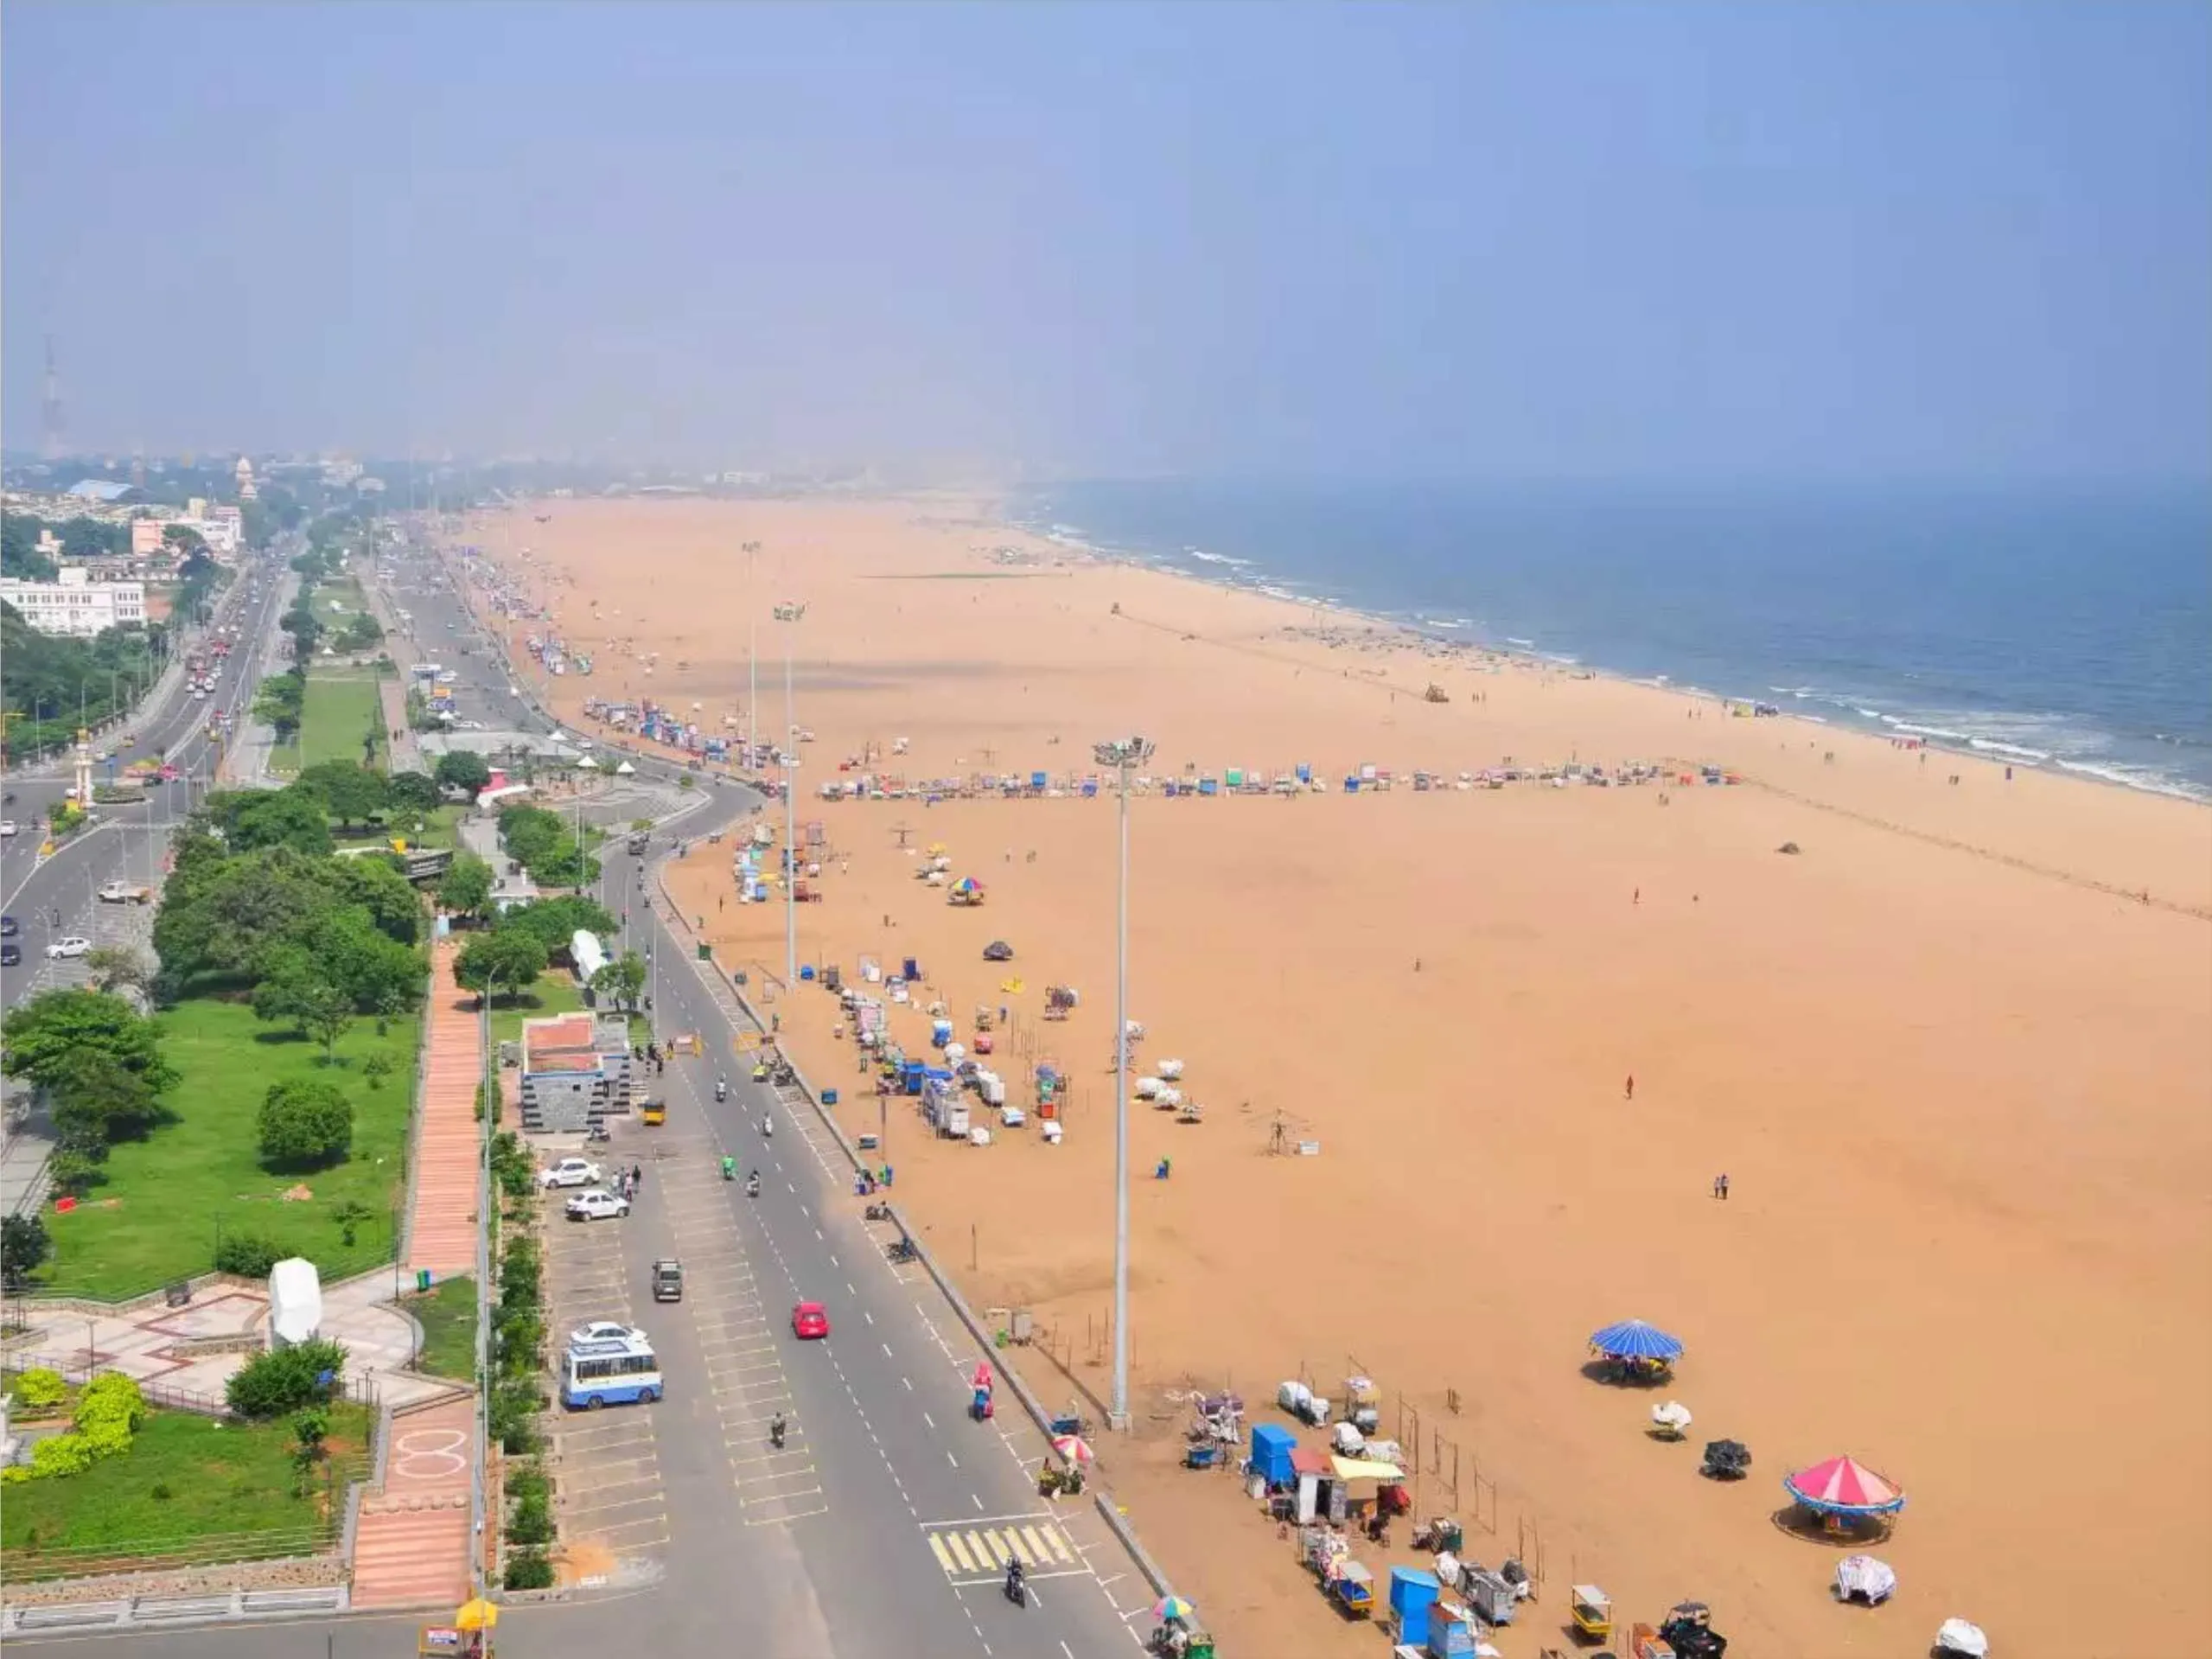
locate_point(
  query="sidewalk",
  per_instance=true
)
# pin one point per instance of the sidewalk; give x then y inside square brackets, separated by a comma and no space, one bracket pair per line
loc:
[412,1547]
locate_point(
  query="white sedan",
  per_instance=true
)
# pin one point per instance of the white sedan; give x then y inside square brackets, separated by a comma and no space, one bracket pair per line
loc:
[571,1173]
[71,946]
[605,1331]
[596,1205]
[9,826]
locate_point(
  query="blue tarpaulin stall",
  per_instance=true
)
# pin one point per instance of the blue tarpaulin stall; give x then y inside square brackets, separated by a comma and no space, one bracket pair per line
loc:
[1271,1454]
[1413,1591]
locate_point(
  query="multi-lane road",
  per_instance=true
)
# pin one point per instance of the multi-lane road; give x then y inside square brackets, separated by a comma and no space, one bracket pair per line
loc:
[881,1527]
[129,843]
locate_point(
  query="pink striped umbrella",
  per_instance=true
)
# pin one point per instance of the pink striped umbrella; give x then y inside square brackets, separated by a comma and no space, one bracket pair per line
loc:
[1845,1486]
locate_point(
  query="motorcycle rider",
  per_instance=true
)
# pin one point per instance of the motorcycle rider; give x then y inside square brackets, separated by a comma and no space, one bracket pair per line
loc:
[768,1126]
[721,1086]
[729,1167]
[776,1431]
[753,1184]
[1017,1586]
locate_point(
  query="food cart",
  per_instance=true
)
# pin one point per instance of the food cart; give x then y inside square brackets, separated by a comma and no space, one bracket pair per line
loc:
[469,1635]
[1351,1586]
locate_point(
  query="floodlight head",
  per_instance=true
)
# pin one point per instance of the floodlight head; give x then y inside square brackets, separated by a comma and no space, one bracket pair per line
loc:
[1123,751]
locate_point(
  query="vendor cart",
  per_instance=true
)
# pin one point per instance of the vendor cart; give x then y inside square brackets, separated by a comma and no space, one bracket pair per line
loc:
[1589,1610]
[1351,1586]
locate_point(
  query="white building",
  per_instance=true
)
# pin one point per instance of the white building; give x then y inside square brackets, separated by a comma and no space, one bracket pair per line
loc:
[76,605]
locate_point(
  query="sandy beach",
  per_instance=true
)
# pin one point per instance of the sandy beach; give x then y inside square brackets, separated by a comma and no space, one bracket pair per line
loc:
[1952,1053]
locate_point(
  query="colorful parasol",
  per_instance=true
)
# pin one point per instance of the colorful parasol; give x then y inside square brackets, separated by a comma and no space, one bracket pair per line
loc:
[1632,1339]
[1845,1486]
[477,1615]
[1175,1607]
[1075,1448]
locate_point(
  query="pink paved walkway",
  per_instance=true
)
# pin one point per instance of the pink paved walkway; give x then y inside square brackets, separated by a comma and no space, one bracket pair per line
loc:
[448,1154]
[412,1546]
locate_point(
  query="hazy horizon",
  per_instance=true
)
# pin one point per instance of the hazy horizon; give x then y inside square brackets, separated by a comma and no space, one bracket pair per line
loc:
[1948,242]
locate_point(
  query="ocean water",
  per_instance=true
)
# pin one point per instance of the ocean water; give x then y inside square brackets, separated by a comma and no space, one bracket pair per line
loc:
[2068,629]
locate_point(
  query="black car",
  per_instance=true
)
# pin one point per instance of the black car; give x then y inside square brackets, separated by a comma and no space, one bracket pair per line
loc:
[8,928]
[10,954]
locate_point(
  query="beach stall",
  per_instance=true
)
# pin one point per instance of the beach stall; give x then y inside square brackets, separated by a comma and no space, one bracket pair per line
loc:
[1271,1449]
[1634,1351]
[1413,1593]
[1843,1493]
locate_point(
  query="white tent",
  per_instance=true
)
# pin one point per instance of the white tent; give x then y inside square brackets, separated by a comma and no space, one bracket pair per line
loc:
[625,769]
[294,1303]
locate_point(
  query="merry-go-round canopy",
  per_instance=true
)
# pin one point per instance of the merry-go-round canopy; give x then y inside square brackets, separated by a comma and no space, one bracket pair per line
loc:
[1632,1339]
[1845,1486]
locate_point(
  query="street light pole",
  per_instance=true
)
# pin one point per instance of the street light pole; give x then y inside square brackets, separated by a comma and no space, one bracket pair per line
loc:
[790,614]
[1125,755]
[752,549]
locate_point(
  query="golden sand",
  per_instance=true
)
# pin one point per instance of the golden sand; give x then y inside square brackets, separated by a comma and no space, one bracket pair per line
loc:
[1953,1054]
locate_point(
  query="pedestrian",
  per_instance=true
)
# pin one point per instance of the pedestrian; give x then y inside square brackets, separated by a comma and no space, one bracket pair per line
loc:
[1630,1092]
[1637,898]
[637,1176]
[1720,1184]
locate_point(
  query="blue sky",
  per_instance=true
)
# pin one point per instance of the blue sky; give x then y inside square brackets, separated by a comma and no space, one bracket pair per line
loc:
[1501,239]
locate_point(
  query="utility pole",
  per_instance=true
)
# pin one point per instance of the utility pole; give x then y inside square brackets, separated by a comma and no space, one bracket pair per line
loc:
[1124,754]
[791,614]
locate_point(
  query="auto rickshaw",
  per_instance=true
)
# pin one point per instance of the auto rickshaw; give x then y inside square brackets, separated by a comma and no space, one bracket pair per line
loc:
[654,1114]
[1591,1611]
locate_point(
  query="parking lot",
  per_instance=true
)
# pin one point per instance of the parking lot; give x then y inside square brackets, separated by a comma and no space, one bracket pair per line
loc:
[609,1498]
[740,1335]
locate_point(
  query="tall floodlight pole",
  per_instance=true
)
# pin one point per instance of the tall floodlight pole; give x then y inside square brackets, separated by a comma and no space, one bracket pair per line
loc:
[1124,754]
[752,551]
[791,614]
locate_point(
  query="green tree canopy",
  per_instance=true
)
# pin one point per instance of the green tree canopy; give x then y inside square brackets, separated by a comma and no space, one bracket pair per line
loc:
[275,818]
[296,987]
[466,887]
[507,957]
[305,1124]
[349,792]
[41,1035]
[412,792]
[622,981]
[462,770]
[554,921]
[280,703]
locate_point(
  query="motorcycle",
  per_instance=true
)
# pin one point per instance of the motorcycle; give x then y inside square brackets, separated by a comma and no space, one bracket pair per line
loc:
[729,1169]
[721,1091]
[1017,1587]
[902,1250]
[775,1432]
[753,1186]
[598,1131]
[878,1212]
[768,1127]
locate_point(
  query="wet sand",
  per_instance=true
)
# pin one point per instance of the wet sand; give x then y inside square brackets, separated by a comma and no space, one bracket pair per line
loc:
[1952,1054]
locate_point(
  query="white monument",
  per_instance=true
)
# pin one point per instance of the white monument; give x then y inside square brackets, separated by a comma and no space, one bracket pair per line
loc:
[294,1303]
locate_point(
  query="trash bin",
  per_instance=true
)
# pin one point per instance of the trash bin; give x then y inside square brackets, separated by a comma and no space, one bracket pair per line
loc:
[706,953]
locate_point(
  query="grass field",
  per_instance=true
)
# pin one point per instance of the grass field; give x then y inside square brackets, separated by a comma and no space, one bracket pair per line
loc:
[340,708]
[555,993]
[441,828]
[448,1317]
[190,1489]
[166,1198]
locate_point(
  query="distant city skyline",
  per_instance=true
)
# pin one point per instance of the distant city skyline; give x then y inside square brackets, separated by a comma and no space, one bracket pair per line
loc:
[1510,240]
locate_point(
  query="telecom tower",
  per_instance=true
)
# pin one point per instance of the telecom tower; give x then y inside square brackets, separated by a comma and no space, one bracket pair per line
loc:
[51,424]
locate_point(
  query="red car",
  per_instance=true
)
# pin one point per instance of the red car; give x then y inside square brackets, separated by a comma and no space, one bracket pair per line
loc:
[809,1319]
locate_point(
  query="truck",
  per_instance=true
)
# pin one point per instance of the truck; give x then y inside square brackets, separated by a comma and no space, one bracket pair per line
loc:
[123,892]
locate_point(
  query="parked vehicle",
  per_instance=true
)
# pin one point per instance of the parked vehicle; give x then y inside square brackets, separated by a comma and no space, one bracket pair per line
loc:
[571,1173]
[125,892]
[74,945]
[620,1371]
[597,1204]
[9,826]
[605,1331]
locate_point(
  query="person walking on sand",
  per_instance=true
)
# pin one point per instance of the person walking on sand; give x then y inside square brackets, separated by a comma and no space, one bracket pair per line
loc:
[1629,1092]
[1720,1184]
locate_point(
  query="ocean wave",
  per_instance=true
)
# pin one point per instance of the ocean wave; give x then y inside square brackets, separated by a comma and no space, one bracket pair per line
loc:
[2148,779]
[1206,558]
[1526,645]
[2011,751]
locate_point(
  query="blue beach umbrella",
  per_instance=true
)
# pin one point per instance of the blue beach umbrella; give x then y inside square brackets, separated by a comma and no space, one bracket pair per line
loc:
[1632,1339]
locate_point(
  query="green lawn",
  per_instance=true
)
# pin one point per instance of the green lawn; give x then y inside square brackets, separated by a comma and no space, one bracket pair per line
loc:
[228,1495]
[165,1199]
[441,828]
[554,993]
[448,1317]
[335,716]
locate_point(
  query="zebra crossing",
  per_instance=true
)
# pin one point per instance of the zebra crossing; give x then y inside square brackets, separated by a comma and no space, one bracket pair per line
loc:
[976,1552]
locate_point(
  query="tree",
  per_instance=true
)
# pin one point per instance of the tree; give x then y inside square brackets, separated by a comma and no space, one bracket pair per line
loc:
[19,554]
[305,1124]
[184,539]
[41,1036]
[305,628]
[115,966]
[99,1100]
[507,957]
[463,771]
[375,971]
[378,886]
[23,1247]
[465,889]
[622,981]
[280,703]
[414,792]
[284,1380]
[555,922]
[297,987]
[290,818]
[351,793]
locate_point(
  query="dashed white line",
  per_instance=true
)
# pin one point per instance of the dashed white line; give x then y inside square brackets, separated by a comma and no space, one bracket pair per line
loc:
[926,1417]
[952,1460]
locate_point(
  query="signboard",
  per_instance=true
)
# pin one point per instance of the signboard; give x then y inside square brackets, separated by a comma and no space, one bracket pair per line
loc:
[748,1041]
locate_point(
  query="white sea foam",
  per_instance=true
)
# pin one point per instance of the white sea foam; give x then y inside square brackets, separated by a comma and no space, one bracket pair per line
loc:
[1219,558]
[2011,751]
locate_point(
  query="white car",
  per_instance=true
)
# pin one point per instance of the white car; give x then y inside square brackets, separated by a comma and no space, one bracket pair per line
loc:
[7,826]
[72,946]
[596,1205]
[571,1173]
[605,1331]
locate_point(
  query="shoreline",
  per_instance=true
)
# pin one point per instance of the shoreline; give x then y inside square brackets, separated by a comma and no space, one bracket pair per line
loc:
[1249,577]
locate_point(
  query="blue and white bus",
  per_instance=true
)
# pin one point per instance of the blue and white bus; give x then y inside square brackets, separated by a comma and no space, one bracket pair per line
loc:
[610,1371]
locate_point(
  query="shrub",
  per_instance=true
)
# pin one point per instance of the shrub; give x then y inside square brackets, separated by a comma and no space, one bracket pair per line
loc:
[161,1494]
[247,1255]
[284,1378]
[58,1455]
[527,1480]
[305,1124]
[74,1172]
[111,1397]
[532,1522]
[528,1569]
[40,1391]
